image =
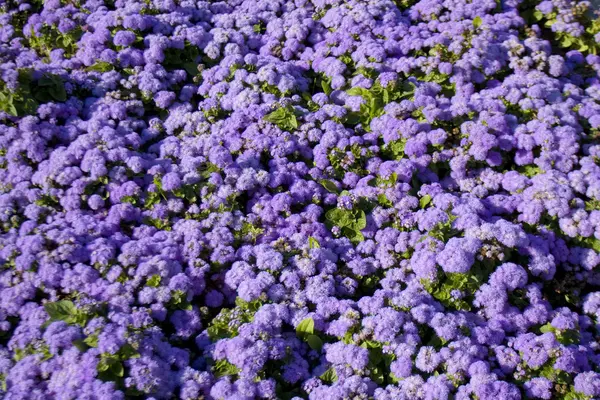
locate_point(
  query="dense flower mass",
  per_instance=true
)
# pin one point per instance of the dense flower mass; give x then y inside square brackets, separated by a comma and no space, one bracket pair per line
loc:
[307,199]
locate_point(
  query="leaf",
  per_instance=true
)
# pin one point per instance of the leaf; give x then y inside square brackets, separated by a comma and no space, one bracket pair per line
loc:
[117,369]
[191,68]
[326,86]
[101,66]
[386,96]
[110,367]
[106,362]
[573,395]
[477,21]
[91,340]
[353,234]
[361,221]
[357,91]
[45,80]
[80,345]
[329,376]
[224,368]
[11,109]
[591,242]
[284,118]
[127,351]
[566,41]
[424,201]
[305,328]
[377,375]
[314,342]
[395,149]
[352,118]
[329,186]
[103,366]
[568,337]
[313,243]
[277,116]
[530,170]
[129,199]
[60,310]
[338,217]
[154,281]
[384,201]
[7,105]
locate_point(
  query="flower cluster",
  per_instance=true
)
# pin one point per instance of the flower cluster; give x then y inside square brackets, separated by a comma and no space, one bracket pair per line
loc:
[308,199]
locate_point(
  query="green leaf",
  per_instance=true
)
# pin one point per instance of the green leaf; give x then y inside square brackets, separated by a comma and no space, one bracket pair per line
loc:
[154,281]
[353,118]
[358,91]
[329,376]
[424,201]
[258,28]
[568,337]
[80,345]
[326,86]
[110,367]
[7,104]
[127,351]
[338,217]
[353,234]
[537,15]
[377,375]
[27,107]
[329,186]
[361,221]
[117,369]
[19,354]
[106,362]
[384,201]
[530,170]
[305,328]
[284,118]
[60,310]
[573,395]
[91,340]
[152,198]
[395,149]
[101,66]
[314,342]
[129,199]
[313,243]
[103,365]
[590,242]
[46,80]
[477,21]
[224,368]
[375,351]
[11,109]
[566,41]
[191,68]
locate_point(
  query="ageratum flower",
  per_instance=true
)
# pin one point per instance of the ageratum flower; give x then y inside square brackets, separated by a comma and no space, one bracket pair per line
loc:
[322,200]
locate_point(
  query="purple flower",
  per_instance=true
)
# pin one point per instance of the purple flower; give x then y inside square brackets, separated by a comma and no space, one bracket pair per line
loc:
[171,181]
[539,388]
[458,255]
[588,383]
[124,38]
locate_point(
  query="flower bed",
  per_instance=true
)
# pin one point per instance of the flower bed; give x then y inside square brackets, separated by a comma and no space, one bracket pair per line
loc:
[299,200]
